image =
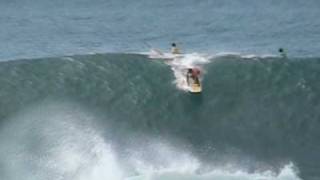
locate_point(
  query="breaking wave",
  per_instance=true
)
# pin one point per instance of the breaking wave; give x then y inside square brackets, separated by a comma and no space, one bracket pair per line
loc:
[124,116]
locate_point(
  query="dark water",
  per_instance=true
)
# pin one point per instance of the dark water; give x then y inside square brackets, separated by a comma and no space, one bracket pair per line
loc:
[254,115]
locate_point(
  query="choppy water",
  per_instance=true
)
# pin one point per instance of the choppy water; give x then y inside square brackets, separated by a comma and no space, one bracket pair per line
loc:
[95,106]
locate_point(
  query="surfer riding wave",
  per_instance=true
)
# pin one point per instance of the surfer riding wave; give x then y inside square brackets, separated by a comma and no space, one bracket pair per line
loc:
[187,68]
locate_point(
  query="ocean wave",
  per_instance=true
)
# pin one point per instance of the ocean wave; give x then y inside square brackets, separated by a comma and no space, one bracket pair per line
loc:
[257,114]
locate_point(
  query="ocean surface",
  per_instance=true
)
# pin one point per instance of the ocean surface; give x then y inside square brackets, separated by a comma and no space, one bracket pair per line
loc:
[42,28]
[86,95]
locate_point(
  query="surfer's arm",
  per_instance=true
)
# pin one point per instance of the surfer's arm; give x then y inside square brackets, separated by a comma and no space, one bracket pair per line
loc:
[188,78]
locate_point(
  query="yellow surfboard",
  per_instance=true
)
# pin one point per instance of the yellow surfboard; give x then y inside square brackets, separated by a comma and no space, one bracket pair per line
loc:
[195,88]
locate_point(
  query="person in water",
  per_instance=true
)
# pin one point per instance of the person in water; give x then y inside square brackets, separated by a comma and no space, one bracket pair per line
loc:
[175,49]
[194,74]
[283,54]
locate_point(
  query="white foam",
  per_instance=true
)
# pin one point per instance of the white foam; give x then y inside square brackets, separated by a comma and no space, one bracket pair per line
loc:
[252,56]
[180,64]
[61,142]
[56,141]
[161,157]
[179,164]
[225,53]
[160,160]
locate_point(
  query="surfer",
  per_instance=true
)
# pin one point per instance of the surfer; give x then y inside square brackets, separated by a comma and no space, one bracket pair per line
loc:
[283,54]
[193,73]
[175,49]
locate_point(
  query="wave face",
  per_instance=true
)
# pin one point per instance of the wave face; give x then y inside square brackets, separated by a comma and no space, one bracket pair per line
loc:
[124,116]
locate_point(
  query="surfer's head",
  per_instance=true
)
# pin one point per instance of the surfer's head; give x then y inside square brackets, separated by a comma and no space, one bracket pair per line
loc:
[280,50]
[173,45]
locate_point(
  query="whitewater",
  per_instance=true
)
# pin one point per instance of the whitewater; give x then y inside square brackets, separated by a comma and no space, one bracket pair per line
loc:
[66,144]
